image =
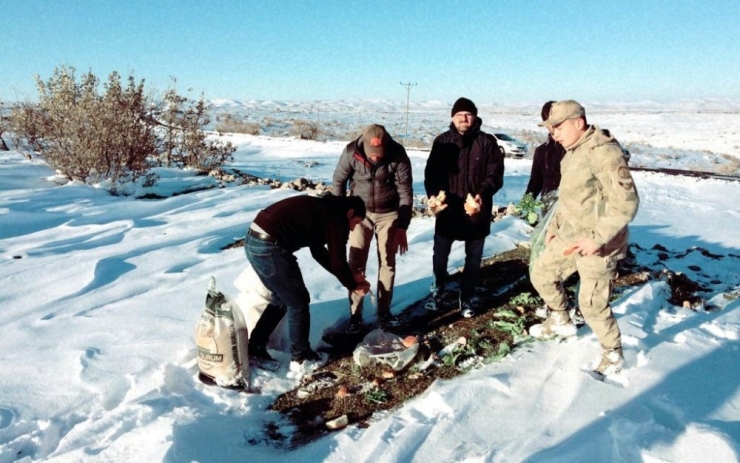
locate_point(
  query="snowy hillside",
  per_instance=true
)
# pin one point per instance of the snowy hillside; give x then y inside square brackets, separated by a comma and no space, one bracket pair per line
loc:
[100,296]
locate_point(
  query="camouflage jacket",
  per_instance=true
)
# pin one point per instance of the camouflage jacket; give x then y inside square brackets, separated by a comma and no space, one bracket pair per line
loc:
[597,196]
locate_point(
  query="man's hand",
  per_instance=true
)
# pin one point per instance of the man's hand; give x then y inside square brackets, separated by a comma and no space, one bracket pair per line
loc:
[401,241]
[584,247]
[436,204]
[472,205]
[363,287]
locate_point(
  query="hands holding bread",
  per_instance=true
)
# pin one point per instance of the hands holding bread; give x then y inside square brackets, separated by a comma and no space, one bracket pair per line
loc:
[472,205]
[436,204]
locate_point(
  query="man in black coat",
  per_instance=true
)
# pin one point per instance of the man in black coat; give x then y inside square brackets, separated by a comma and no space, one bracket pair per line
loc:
[544,179]
[466,164]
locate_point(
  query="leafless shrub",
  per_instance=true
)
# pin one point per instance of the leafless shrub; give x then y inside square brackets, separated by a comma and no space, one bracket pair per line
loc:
[305,130]
[732,167]
[24,128]
[532,138]
[231,125]
[4,121]
[116,135]
[270,121]
[84,135]
[183,141]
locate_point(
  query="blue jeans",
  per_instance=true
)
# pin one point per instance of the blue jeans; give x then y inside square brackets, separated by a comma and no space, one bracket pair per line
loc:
[471,271]
[278,269]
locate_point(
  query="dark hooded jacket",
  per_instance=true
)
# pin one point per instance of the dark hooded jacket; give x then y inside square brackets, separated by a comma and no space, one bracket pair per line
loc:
[385,186]
[461,164]
[319,224]
[545,176]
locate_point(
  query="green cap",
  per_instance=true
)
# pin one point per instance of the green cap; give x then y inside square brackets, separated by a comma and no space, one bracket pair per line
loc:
[562,111]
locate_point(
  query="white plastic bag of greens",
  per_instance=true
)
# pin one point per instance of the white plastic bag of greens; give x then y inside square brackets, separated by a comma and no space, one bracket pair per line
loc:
[379,346]
[537,240]
[221,336]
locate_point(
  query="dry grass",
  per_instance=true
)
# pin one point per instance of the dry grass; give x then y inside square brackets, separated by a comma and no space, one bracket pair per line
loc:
[229,125]
[731,168]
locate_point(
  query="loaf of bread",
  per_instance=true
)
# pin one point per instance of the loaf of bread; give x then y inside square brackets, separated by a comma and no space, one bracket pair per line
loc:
[471,206]
[437,203]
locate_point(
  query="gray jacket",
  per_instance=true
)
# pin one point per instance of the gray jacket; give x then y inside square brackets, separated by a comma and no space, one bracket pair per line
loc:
[384,186]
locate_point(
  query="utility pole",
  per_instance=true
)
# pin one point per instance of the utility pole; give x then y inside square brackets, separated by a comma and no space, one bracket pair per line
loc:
[408,86]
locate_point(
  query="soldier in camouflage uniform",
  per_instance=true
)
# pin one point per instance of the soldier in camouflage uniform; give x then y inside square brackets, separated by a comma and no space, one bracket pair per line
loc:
[588,233]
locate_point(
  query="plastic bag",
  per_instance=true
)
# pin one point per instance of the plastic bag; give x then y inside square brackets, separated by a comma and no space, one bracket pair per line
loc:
[253,298]
[385,348]
[221,336]
[539,234]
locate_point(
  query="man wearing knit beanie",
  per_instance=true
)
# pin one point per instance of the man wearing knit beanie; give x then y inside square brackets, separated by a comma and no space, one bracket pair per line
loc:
[464,170]
[463,104]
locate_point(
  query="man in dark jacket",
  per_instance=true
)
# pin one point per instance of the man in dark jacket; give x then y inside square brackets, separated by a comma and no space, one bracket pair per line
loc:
[322,225]
[377,170]
[544,179]
[464,162]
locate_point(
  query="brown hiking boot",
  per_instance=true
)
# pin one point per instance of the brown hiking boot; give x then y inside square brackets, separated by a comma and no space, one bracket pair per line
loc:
[611,363]
[558,323]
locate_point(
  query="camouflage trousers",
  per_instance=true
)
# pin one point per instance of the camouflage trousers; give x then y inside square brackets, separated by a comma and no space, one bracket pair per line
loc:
[597,274]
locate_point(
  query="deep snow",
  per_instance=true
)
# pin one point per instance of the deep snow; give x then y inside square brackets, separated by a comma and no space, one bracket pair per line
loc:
[100,295]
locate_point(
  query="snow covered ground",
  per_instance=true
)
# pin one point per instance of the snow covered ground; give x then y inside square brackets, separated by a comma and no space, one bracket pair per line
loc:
[100,296]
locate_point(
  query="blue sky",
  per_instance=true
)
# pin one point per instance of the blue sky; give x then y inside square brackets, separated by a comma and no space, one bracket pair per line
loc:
[494,51]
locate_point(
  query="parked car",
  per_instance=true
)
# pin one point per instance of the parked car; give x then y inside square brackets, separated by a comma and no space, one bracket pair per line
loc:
[510,146]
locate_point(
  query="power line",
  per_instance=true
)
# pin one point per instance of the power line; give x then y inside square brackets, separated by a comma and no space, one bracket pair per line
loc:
[408,86]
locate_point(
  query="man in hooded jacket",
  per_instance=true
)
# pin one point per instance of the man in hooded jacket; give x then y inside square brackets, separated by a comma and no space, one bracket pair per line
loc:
[377,169]
[466,164]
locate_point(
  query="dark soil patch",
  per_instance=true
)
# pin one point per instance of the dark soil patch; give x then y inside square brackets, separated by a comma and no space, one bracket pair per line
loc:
[506,309]
[376,388]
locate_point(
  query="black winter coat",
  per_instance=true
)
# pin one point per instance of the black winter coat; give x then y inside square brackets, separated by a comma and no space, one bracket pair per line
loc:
[461,164]
[545,176]
[384,186]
